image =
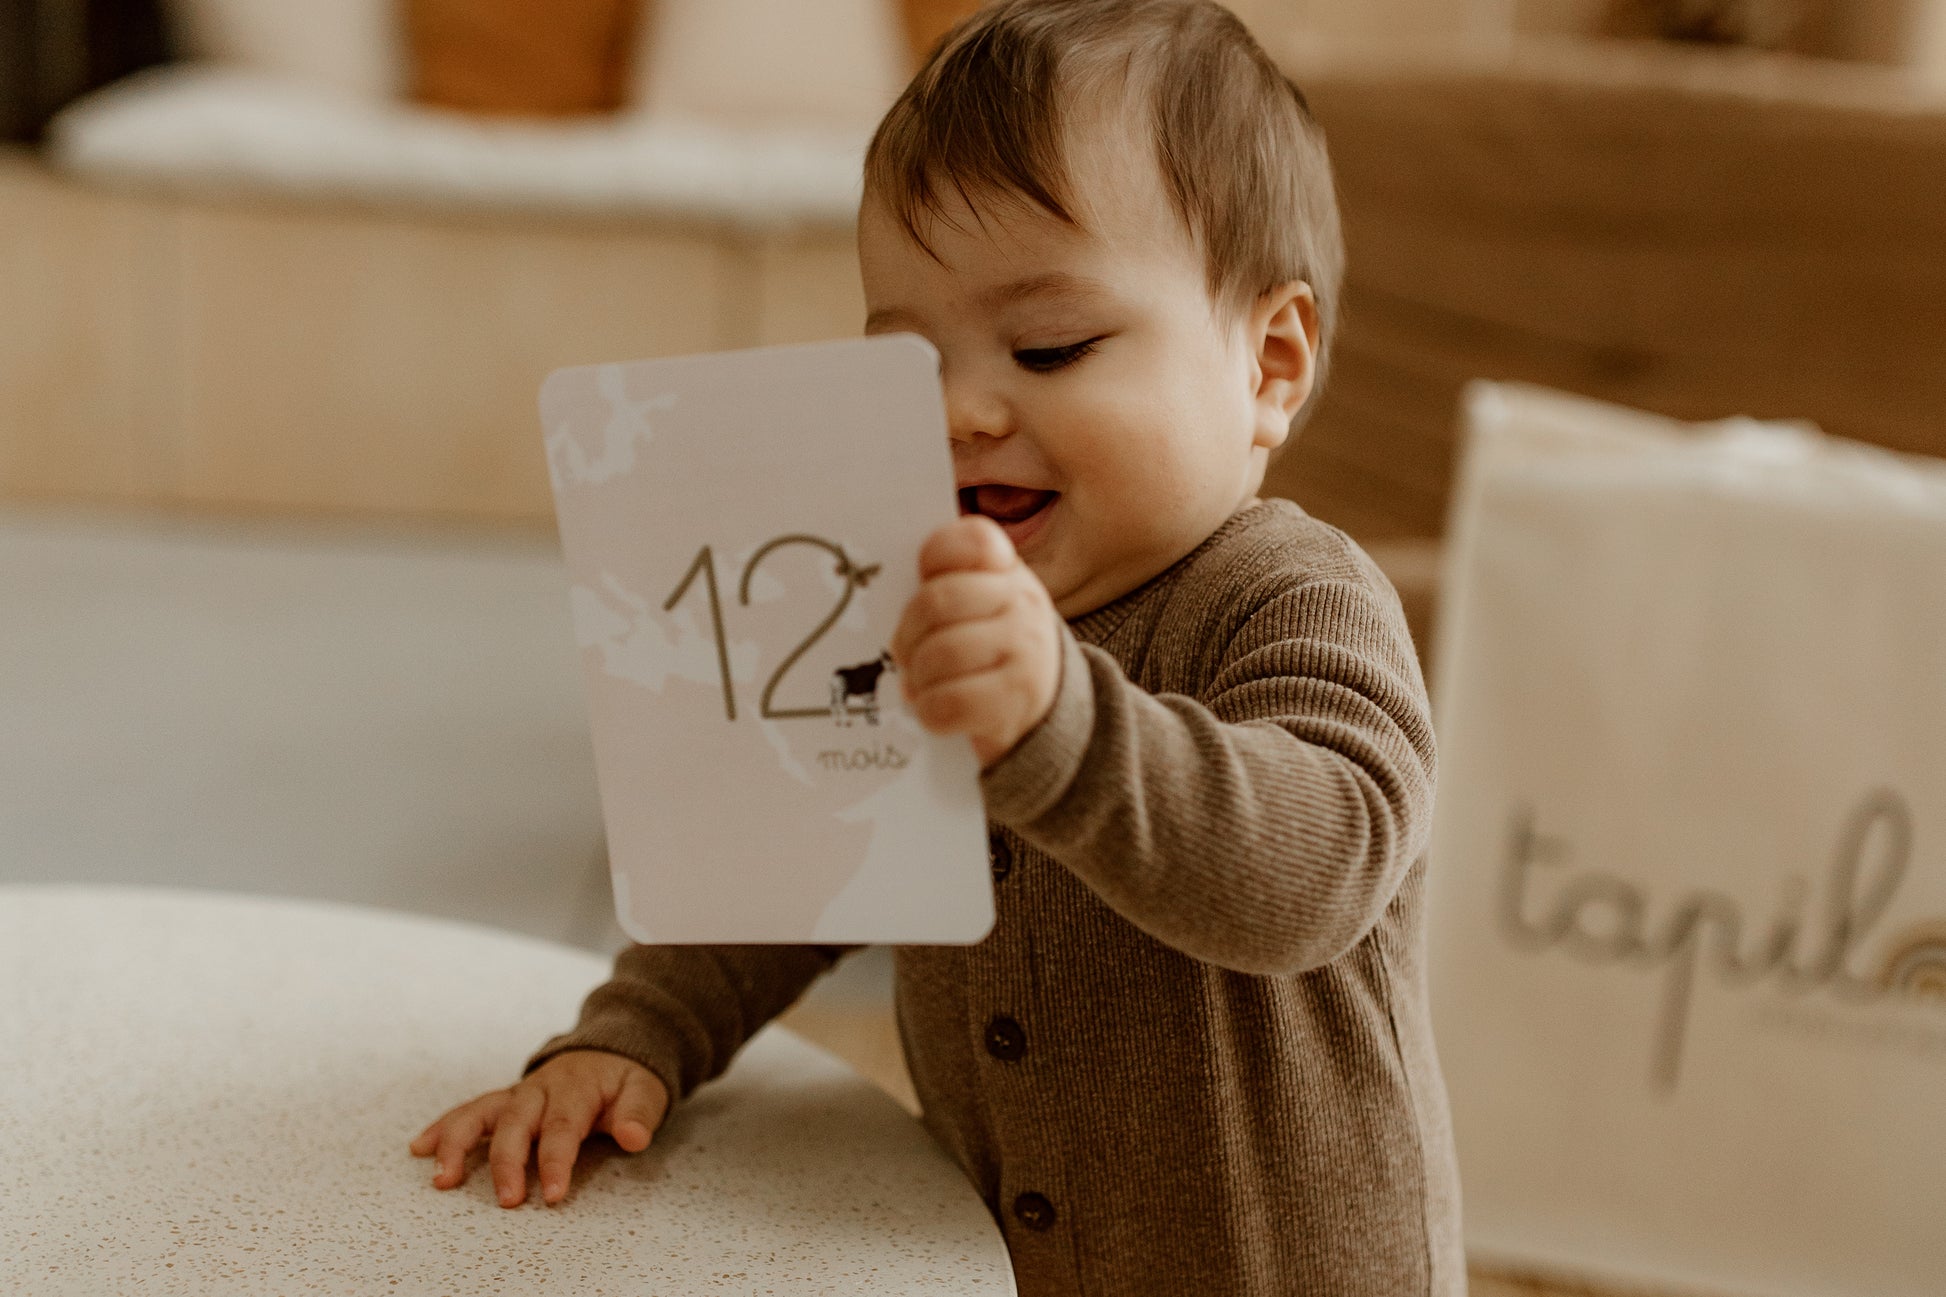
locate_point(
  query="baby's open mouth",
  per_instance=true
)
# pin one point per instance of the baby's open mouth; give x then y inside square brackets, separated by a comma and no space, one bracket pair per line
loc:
[1006,505]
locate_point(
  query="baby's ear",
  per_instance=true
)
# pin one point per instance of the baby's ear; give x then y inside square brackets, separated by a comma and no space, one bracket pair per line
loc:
[1284,330]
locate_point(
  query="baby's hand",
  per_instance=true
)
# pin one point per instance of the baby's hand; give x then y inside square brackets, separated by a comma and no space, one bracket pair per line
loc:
[979,647]
[562,1100]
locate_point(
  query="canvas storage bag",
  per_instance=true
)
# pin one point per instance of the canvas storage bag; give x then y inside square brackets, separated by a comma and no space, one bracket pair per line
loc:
[1688,942]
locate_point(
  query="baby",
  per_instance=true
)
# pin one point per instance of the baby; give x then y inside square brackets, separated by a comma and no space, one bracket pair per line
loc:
[1193,1055]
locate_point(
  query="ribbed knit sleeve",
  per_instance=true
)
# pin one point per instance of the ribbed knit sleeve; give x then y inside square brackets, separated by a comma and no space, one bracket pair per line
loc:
[1264,824]
[684,1011]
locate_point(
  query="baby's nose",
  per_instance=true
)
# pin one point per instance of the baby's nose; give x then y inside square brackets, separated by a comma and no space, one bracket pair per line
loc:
[974,411]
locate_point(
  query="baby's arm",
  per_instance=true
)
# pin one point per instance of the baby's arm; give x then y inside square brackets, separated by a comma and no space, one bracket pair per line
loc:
[671,1018]
[1263,825]
[684,1011]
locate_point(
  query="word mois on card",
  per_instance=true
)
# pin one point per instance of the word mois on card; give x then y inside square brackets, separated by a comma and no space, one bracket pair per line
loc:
[741,533]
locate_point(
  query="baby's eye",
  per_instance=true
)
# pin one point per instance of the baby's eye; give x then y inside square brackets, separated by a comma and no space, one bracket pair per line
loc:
[1042,360]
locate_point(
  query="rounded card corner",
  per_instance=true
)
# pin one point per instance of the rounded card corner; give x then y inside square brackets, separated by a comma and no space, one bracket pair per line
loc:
[915,342]
[986,928]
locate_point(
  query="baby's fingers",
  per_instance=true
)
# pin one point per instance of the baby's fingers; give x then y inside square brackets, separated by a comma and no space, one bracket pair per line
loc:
[969,544]
[513,1136]
[566,1122]
[636,1112]
[948,601]
[967,648]
[453,1136]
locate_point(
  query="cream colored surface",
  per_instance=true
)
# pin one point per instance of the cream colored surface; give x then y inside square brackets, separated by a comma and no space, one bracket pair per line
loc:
[289,1051]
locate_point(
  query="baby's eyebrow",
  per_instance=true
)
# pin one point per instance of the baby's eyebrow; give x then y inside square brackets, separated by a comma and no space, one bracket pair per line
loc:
[1054,283]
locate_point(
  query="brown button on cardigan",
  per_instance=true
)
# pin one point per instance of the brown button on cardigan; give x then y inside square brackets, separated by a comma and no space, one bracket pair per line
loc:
[1216,1074]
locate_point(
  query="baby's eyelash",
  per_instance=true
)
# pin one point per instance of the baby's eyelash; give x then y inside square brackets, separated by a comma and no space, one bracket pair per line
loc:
[1044,360]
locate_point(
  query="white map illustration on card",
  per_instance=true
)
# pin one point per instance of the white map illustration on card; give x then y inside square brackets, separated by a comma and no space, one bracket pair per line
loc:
[741,532]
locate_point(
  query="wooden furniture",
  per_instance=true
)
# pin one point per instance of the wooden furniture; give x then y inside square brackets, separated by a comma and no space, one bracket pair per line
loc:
[210,1093]
[1698,233]
[241,353]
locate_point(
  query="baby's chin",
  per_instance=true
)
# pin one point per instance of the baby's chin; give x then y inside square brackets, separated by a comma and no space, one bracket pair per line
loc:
[1080,583]
[1076,593]
[1068,588]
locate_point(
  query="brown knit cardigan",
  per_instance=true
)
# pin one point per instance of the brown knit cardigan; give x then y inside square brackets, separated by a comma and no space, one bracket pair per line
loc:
[1193,1056]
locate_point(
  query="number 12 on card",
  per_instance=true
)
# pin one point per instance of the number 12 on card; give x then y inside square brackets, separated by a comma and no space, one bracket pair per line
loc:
[846,683]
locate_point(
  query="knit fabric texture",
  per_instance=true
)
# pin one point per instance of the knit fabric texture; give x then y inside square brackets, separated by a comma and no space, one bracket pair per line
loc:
[1194,1053]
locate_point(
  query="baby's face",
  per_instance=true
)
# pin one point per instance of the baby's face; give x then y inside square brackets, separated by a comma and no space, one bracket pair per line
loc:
[1103,410]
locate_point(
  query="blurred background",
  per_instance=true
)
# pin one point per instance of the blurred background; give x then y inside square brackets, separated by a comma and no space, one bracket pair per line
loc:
[279,282]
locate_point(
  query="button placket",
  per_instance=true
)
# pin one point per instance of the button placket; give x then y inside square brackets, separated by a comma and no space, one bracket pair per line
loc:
[1002,1001]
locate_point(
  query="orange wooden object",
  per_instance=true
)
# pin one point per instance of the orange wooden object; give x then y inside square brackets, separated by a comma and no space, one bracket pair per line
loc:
[536,58]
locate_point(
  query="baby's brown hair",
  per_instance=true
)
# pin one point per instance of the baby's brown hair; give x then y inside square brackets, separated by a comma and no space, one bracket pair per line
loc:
[1241,157]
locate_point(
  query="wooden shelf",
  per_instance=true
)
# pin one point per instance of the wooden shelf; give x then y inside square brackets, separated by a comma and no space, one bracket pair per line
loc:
[304,357]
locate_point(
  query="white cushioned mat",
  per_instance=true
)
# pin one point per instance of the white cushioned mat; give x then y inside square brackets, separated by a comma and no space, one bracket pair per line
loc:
[202,127]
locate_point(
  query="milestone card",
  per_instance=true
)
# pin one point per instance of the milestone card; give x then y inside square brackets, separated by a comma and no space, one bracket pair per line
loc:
[742,533]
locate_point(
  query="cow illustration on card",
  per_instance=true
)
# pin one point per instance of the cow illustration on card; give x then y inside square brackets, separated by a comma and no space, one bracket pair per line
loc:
[741,534]
[860,682]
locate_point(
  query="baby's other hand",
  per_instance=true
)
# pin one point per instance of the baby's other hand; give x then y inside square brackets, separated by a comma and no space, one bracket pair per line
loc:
[561,1102]
[979,646]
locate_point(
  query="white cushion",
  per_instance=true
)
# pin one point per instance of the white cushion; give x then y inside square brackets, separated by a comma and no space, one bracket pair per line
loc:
[354,47]
[839,62]
[198,128]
